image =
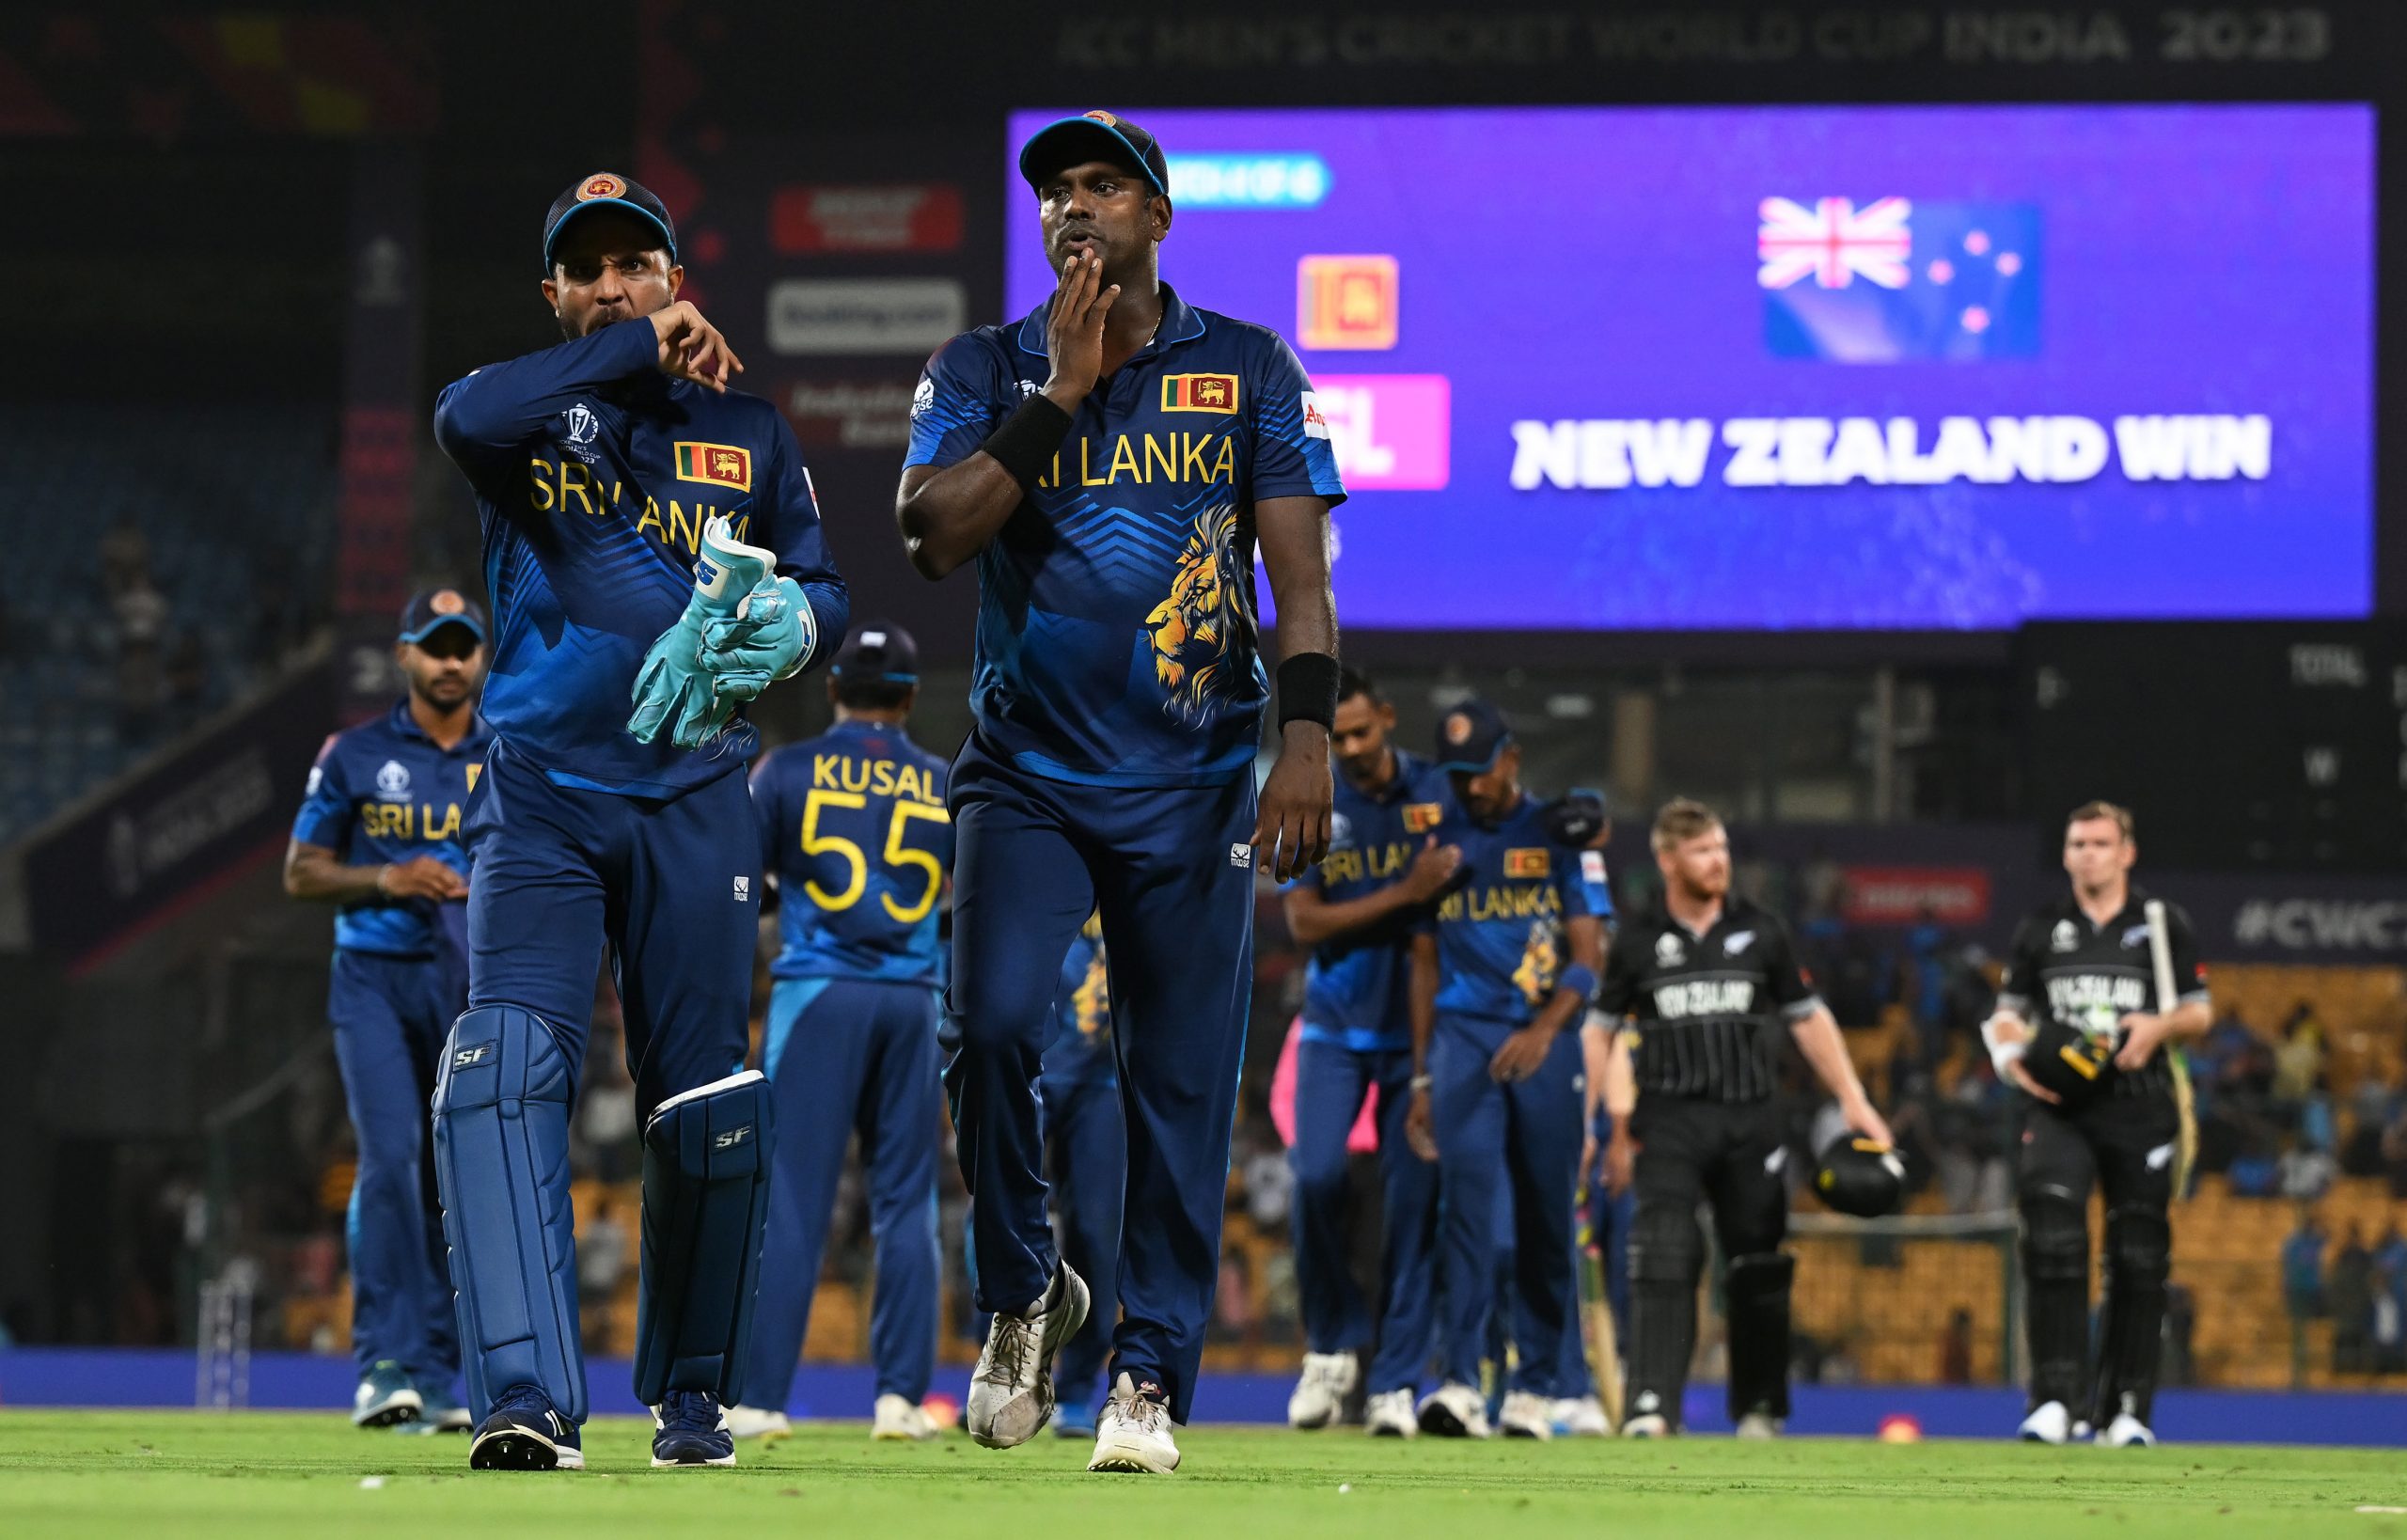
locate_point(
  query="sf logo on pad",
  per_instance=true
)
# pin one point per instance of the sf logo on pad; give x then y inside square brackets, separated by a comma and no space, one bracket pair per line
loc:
[732,1138]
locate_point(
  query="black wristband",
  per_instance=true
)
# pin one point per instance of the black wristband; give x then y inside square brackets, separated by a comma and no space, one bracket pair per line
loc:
[1307,689]
[1023,445]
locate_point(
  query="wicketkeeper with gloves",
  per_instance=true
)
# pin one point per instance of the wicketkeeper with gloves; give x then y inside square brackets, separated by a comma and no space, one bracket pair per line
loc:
[656,559]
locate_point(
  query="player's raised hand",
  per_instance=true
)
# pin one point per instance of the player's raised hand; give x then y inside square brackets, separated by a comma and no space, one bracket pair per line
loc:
[1074,329]
[1291,832]
[692,349]
[422,877]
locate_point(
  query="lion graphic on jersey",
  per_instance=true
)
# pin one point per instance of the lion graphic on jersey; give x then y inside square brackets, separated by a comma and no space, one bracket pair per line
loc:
[1193,631]
[1535,977]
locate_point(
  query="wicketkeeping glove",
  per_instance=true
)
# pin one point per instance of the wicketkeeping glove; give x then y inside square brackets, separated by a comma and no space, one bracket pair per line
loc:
[672,688]
[770,637]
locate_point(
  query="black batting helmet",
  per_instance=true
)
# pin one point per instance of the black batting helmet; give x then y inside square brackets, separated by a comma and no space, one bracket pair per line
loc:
[1862,1177]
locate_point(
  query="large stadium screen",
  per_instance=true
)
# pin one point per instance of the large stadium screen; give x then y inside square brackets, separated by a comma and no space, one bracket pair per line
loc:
[1842,367]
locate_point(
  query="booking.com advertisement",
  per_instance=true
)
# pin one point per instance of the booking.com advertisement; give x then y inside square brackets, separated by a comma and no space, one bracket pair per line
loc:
[1805,368]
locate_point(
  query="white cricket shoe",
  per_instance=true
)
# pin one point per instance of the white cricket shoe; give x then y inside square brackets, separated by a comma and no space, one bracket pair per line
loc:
[2127,1432]
[1525,1414]
[1134,1432]
[897,1419]
[1646,1425]
[1388,1415]
[1758,1425]
[758,1423]
[1581,1416]
[1010,1395]
[1320,1394]
[2048,1423]
[1454,1410]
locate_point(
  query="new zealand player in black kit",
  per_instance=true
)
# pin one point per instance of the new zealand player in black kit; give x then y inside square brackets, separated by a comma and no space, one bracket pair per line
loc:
[2080,1028]
[1706,984]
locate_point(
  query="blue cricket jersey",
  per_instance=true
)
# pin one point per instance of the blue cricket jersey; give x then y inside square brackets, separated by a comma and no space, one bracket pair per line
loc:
[1357,986]
[384,791]
[853,824]
[594,474]
[1077,1051]
[1116,614]
[1499,928]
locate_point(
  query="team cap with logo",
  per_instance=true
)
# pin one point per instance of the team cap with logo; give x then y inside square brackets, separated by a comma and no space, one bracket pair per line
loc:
[605,190]
[1097,136]
[429,610]
[1469,736]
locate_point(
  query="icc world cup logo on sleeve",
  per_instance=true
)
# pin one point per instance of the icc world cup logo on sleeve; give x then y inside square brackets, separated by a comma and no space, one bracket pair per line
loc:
[1193,631]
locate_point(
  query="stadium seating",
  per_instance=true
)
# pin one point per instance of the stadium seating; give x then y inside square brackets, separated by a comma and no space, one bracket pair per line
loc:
[220,495]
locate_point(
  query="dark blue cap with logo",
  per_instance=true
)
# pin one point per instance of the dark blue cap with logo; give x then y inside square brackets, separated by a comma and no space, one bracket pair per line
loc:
[1469,736]
[877,654]
[607,190]
[432,610]
[1097,136]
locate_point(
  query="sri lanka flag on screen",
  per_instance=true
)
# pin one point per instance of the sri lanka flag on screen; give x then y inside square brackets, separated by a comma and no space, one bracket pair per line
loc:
[1898,280]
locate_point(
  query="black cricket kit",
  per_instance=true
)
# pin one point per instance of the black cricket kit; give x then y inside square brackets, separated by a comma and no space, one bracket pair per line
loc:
[1709,1013]
[2071,979]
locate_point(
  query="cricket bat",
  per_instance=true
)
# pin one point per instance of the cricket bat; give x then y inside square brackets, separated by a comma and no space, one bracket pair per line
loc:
[2159,954]
[1596,1318]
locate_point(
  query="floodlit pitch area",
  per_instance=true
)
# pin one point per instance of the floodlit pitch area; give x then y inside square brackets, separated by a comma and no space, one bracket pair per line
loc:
[159,1474]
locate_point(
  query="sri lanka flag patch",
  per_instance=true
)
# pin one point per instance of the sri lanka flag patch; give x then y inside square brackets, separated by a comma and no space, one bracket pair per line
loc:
[1199,393]
[721,465]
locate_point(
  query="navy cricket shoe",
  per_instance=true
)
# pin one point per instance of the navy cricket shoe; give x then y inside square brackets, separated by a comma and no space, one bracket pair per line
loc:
[523,1432]
[690,1428]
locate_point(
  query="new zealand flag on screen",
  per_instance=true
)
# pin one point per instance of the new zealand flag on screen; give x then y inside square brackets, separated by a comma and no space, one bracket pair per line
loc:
[1898,280]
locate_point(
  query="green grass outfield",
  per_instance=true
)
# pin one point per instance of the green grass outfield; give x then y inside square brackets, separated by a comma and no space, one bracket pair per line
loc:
[163,1475]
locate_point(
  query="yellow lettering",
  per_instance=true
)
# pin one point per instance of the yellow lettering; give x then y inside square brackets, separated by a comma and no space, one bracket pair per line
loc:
[1226,468]
[1124,454]
[851,782]
[1191,467]
[541,474]
[741,526]
[652,518]
[822,769]
[579,486]
[681,531]
[882,777]
[1155,454]
[448,828]
[1086,471]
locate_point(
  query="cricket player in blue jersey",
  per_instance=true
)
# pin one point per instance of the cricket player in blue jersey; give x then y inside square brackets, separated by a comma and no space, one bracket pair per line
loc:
[1502,975]
[855,834]
[1355,911]
[1111,462]
[651,541]
[378,835]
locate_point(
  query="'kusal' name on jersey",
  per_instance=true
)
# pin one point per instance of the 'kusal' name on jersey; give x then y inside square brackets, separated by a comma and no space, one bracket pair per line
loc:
[594,475]
[853,826]
[1116,609]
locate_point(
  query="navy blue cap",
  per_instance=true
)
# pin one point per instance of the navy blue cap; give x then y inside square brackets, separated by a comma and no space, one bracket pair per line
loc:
[432,610]
[607,190]
[1469,736]
[877,654]
[1097,136]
